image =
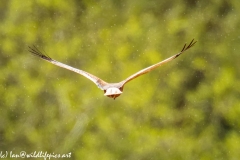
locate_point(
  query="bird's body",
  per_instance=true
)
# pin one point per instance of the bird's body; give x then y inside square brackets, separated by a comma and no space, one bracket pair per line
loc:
[112,90]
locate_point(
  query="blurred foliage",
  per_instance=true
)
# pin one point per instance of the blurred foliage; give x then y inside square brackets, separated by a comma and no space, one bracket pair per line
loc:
[187,109]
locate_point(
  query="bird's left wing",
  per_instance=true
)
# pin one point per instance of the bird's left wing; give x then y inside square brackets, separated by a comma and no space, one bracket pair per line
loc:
[99,82]
[148,69]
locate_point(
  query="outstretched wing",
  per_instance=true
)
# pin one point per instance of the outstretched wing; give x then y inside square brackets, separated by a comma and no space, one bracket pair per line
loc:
[148,69]
[99,82]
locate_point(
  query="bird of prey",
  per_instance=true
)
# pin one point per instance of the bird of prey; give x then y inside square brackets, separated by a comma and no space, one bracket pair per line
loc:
[112,90]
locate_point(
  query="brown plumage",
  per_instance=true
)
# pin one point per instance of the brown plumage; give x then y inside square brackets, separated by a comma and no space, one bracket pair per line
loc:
[112,90]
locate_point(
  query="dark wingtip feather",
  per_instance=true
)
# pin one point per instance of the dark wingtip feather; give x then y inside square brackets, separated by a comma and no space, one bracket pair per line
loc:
[189,46]
[186,48]
[38,53]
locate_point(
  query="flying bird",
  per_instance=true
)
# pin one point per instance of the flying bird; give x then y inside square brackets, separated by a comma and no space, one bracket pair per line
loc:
[112,90]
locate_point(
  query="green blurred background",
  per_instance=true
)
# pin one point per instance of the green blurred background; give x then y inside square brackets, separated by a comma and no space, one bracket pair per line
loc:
[187,109]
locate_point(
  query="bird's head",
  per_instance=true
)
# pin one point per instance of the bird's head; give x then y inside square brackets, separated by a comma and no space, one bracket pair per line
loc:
[112,92]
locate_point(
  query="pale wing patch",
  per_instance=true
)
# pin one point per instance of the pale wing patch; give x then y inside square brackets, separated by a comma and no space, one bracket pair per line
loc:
[91,77]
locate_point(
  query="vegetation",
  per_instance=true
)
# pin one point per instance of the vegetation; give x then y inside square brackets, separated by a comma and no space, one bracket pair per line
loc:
[187,109]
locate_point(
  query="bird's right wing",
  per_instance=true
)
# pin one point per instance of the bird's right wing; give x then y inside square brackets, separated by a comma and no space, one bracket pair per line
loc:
[150,68]
[99,82]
